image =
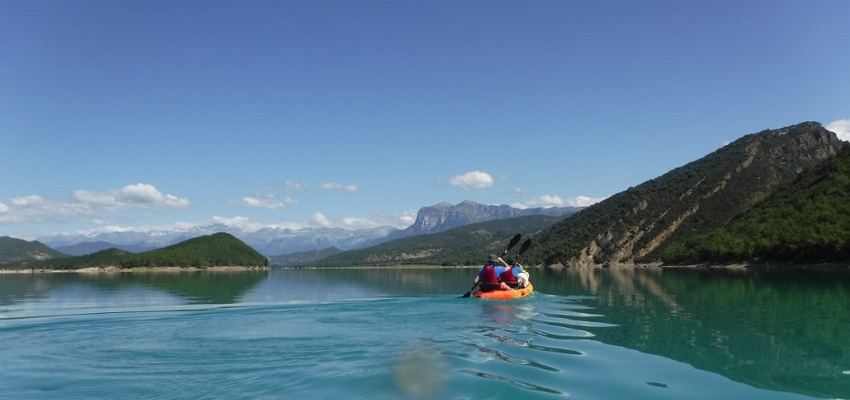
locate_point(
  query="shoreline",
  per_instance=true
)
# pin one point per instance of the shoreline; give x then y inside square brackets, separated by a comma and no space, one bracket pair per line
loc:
[119,270]
[741,266]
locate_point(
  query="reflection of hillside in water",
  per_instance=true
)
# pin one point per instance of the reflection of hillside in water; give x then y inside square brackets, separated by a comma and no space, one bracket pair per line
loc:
[779,330]
[406,281]
[16,288]
[219,287]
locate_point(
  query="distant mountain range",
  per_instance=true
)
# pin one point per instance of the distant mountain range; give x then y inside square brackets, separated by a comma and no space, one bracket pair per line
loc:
[272,242]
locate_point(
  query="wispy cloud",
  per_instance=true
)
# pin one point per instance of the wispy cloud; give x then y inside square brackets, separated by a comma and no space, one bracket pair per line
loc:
[472,180]
[339,186]
[85,202]
[514,192]
[376,220]
[296,186]
[270,202]
[551,200]
[841,128]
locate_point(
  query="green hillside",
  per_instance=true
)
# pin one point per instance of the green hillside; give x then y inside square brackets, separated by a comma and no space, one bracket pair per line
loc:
[639,224]
[220,249]
[302,257]
[467,245]
[806,222]
[12,250]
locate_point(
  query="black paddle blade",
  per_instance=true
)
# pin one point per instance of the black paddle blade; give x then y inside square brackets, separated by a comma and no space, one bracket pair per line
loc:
[524,247]
[470,290]
[512,243]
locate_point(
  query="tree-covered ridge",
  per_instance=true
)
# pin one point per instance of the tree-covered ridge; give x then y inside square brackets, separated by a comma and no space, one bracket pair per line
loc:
[806,222]
[639,224]
[220,249]
[467,245]
[12,249]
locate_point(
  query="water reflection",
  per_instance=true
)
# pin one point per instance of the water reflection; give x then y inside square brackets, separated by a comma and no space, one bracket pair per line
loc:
[197,287]
[773,330]
[782,330]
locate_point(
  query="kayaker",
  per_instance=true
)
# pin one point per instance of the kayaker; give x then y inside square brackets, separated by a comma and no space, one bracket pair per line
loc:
[521,276]
[508,278]
[488,275]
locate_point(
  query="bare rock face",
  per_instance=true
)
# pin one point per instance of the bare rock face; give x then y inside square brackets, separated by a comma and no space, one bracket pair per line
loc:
[444,216]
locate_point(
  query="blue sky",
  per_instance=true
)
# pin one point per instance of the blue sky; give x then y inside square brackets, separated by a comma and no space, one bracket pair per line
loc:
[138,115]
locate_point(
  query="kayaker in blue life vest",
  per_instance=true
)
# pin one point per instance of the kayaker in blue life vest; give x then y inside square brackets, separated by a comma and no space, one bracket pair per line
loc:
[488,275]
[516,277]
[508,277]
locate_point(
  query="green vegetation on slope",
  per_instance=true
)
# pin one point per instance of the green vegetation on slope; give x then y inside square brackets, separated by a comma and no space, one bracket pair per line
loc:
[809,221]
[12,249]
[467,245]
[220,249]
[639,224]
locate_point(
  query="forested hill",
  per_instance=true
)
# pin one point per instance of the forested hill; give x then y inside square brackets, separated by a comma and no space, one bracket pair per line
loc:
[642,223]
[220,249]
[12,249]
[806,222]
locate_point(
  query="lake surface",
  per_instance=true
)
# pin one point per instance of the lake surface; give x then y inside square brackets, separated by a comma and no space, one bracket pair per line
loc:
[406,334]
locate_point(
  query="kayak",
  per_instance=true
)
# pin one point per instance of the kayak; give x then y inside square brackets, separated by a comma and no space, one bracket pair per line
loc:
[506,294]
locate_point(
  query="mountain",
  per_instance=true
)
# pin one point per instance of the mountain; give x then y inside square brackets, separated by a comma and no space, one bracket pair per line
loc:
[84,248]
[303,257]
[12,249]
[285,241]
[220,249]
[272,241]
[466,245]
[266,241]
[444,216]
[639,224]
[806,222]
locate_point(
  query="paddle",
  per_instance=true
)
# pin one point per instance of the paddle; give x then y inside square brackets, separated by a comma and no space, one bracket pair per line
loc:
[511,244]
[522,249]
[525,245]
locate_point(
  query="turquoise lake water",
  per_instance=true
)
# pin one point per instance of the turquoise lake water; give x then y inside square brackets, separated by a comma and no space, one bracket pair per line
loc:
[406,334]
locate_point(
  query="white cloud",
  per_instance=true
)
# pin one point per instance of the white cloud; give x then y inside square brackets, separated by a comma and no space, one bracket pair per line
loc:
[377,219]
[339,186]
[321,220]
[297,186]
[472,180]
[399,221]
[514,192]
[841,128]
[551,200]
[271,202]
[131,196]
[238,222]
[34,208]
[37,208]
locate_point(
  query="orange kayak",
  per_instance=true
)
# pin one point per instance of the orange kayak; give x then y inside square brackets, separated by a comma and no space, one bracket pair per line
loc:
[506,294]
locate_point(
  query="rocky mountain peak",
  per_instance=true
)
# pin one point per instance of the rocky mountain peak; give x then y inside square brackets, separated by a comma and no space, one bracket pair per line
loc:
[444,216]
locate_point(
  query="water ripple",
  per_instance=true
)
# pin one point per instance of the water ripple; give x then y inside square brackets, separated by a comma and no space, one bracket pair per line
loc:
[516,382]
